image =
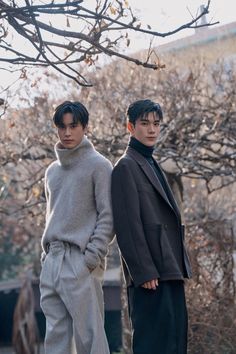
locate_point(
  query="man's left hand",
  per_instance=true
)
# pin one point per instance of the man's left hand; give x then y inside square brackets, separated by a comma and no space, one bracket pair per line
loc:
[152,284]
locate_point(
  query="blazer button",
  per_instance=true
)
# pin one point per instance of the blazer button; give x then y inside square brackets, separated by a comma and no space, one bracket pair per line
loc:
[165,227]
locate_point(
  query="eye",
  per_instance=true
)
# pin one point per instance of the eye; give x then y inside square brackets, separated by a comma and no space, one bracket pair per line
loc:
[74,125]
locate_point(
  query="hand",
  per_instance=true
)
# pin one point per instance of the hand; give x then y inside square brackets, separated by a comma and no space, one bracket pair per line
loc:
[152,284]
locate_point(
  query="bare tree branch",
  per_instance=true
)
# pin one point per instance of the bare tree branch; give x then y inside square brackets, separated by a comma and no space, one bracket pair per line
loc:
[96,32]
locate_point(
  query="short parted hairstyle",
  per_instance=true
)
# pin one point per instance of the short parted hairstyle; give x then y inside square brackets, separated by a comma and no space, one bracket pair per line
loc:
[141,108]
[77,109]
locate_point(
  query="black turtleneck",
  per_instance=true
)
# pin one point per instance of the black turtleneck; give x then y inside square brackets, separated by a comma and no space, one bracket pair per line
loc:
[147,152]
[144,150]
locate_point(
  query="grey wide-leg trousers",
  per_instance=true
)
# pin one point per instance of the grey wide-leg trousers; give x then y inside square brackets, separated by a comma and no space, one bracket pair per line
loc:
[72,302]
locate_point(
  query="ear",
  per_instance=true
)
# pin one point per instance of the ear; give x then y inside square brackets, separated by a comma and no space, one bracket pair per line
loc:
[86,129]
[130,127]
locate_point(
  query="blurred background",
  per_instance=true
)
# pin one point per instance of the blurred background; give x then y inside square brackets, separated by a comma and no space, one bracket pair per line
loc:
[195,85]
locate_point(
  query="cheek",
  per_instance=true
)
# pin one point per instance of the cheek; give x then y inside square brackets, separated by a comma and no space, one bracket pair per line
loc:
[79,133]
[142,131]
[59,133]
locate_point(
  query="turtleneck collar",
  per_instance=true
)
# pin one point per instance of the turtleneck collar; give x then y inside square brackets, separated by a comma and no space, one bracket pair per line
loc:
[67,157]
[144,150]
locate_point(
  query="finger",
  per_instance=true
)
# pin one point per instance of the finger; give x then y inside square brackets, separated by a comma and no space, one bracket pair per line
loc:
[149,284]
[157,282]
[153,284]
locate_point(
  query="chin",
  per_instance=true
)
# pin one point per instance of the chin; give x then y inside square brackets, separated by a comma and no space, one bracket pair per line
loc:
[150,143]
[68,146]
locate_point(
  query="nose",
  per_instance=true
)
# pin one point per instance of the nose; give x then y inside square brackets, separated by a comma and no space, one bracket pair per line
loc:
[67,131]
[151,128]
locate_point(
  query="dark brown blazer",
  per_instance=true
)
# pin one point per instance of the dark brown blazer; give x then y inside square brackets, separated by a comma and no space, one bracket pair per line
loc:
[147,223]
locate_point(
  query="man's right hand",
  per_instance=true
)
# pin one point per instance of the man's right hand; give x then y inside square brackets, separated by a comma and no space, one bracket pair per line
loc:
[151,284]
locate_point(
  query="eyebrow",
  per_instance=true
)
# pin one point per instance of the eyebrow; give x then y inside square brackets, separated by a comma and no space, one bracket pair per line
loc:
[64,125]
[146,120]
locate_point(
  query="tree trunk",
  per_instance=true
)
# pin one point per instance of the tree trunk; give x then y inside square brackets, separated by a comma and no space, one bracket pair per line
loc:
[126,327]
[25,331]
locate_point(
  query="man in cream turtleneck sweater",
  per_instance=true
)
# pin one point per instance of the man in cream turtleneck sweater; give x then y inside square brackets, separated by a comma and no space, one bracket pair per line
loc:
[75,240]
[150,235]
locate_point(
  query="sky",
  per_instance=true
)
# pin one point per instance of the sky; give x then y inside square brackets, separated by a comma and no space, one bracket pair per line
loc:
[162,16]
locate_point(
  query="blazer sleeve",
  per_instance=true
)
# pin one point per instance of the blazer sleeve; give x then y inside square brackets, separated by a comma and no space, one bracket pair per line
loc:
[128,226]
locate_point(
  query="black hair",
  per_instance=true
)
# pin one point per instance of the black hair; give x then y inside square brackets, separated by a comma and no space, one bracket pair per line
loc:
[141,108]
[77,109]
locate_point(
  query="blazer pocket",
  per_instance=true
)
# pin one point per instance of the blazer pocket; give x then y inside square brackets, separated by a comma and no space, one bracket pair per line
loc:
[170,263]
[153,238]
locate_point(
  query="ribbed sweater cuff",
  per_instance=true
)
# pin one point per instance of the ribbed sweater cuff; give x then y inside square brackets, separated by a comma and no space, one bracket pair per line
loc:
[91,259]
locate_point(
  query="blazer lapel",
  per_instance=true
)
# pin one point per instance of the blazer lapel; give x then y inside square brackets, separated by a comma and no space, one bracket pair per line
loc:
[147,169]
[170,193]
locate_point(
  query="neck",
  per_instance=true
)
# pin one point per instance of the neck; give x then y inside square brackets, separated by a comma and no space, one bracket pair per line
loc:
[68,157]
[144,150]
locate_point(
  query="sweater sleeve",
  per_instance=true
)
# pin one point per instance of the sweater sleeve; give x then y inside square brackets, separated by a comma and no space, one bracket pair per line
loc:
[97,247]
[43,254]
[129,227]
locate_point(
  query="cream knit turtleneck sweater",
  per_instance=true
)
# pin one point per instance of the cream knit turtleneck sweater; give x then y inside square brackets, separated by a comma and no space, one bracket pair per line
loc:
[79,210]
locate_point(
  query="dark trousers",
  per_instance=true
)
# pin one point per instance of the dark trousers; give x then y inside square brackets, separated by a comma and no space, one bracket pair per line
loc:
[159,319]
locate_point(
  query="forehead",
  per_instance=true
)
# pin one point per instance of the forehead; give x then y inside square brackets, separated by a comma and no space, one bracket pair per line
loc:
[67,118]
[151,117]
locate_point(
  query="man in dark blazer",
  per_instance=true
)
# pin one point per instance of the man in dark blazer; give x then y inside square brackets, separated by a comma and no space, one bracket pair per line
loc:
[150,236]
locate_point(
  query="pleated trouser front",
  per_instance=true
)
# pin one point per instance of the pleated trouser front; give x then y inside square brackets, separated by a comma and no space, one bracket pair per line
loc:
[72,302]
